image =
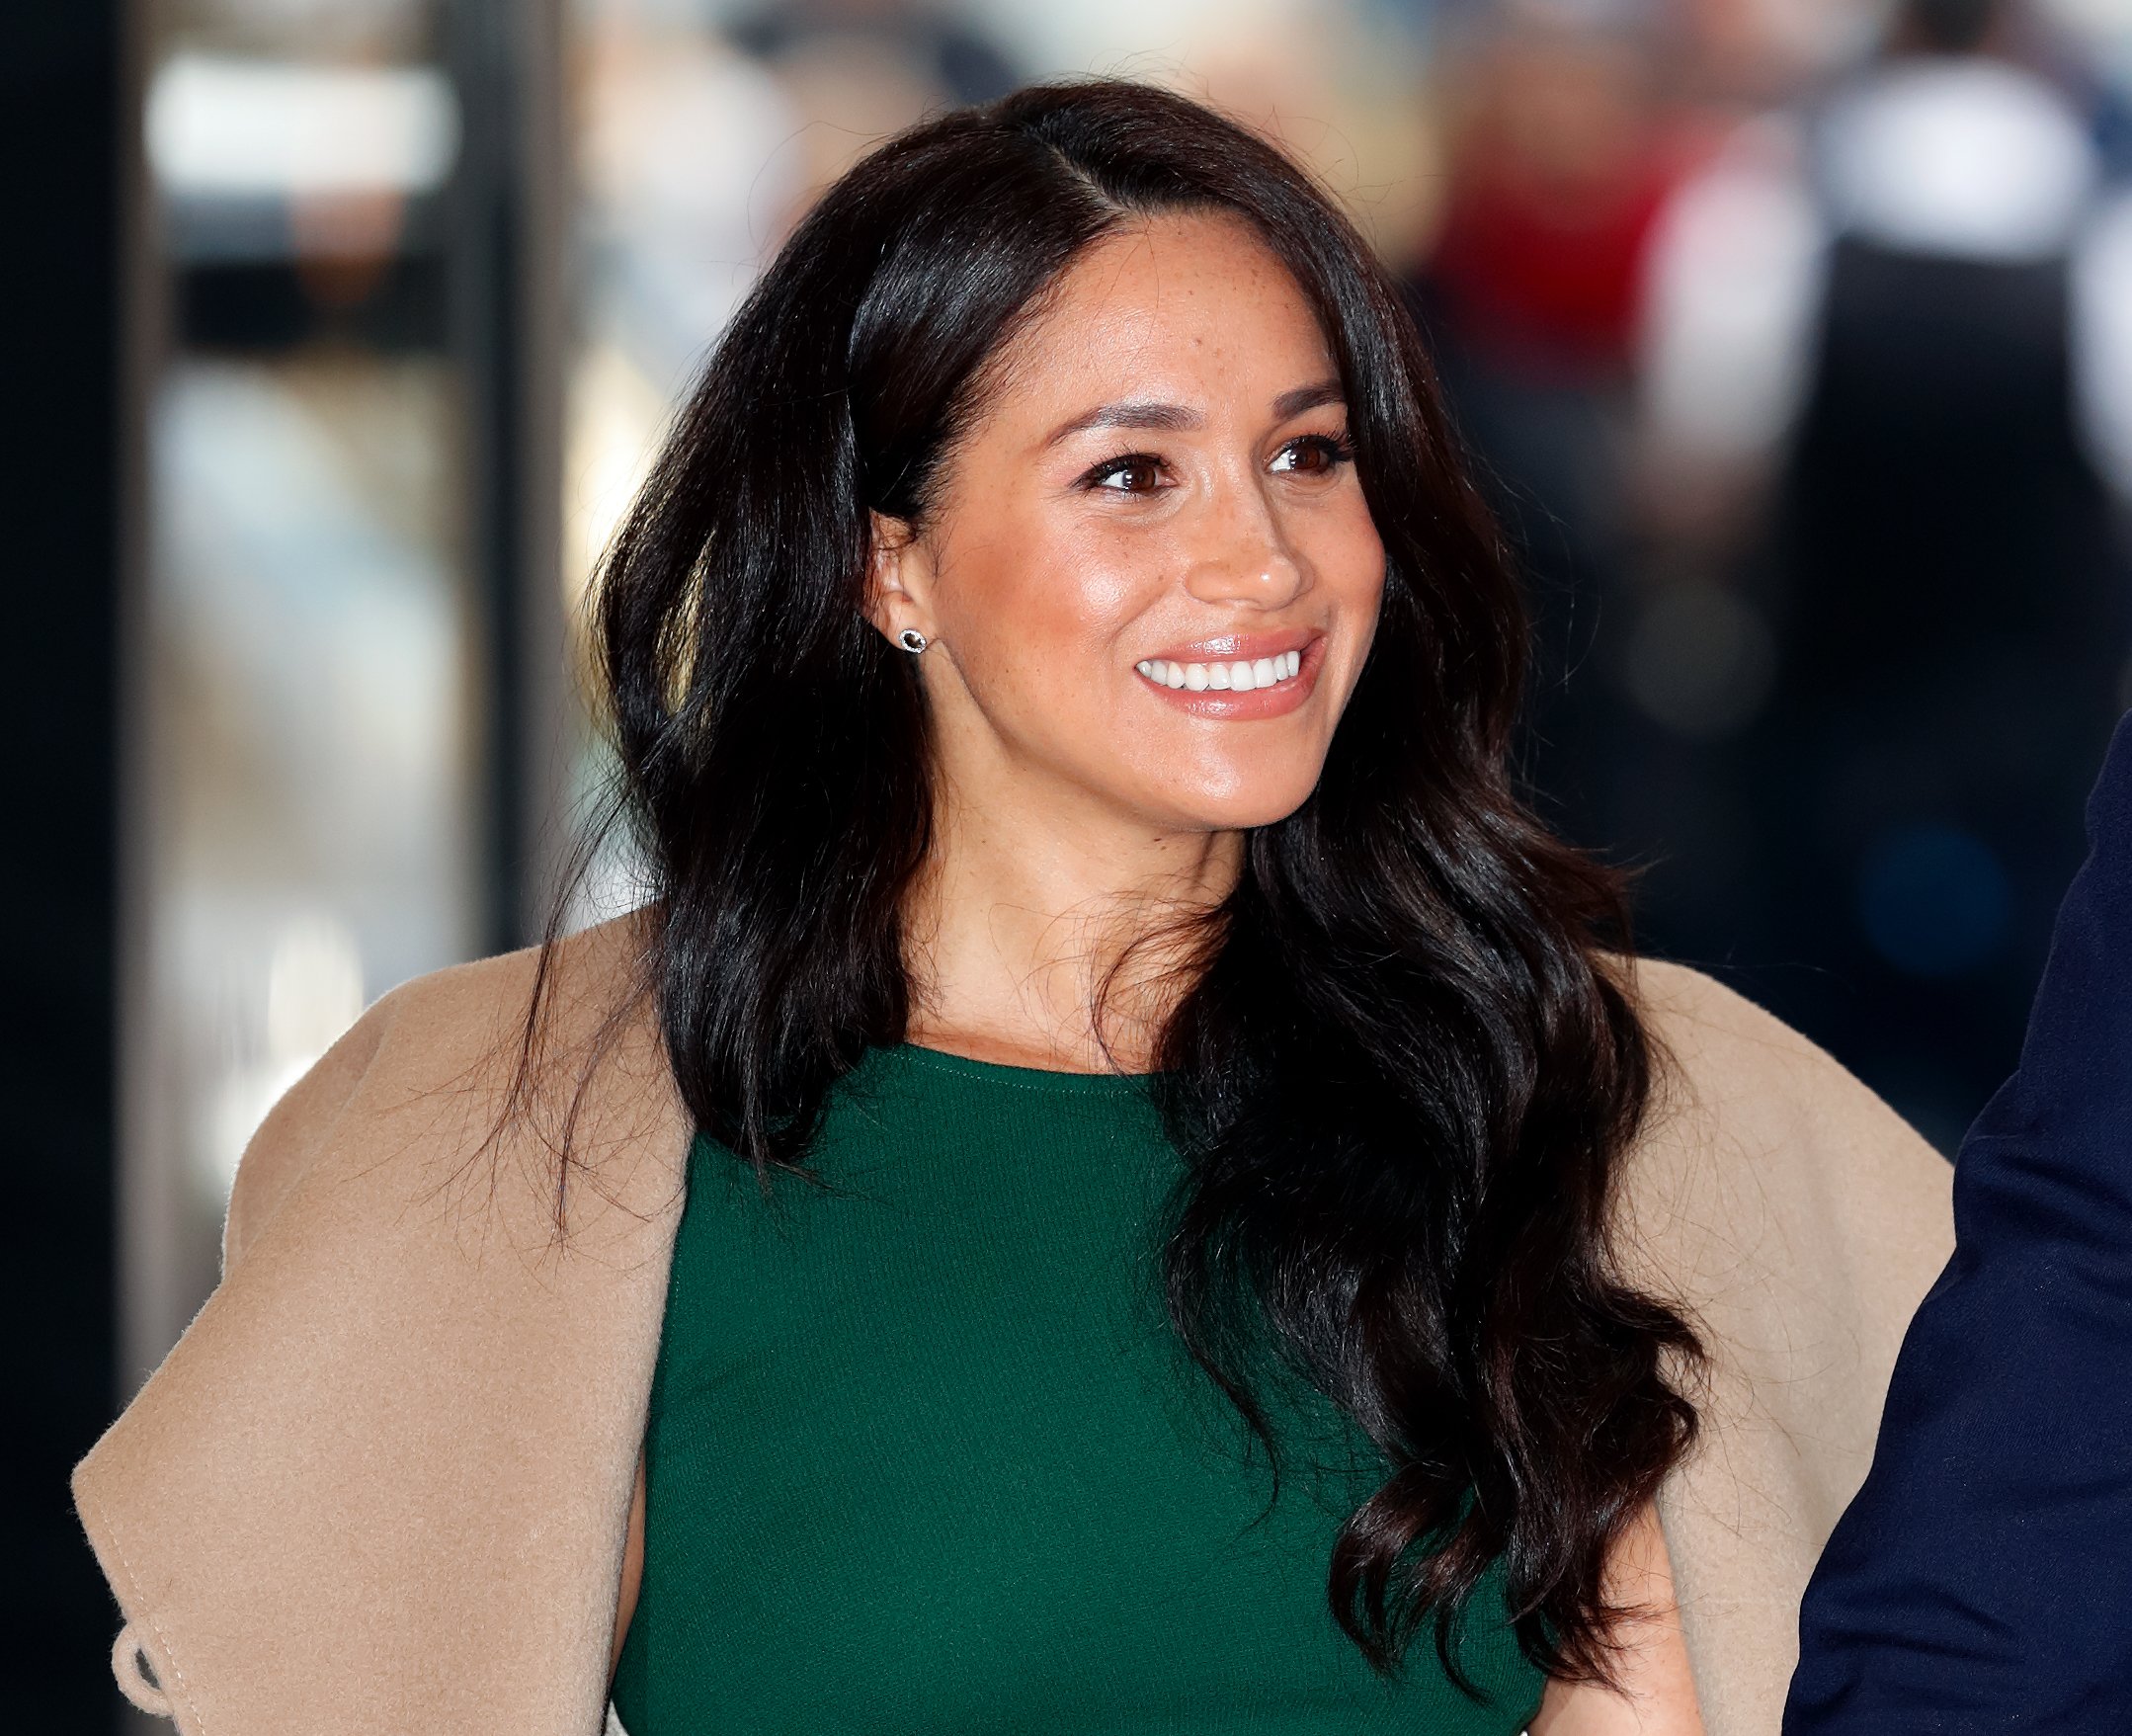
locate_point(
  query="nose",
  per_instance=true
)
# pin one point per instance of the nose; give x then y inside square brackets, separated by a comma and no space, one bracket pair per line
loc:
[1240,555]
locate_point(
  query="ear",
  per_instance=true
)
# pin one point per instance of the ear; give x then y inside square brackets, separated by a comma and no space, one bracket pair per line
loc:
[898,579]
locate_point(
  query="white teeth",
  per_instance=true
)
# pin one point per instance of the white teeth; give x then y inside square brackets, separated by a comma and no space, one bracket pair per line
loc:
[1240,677]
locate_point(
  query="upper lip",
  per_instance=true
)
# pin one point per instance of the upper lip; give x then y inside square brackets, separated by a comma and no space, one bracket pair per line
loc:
[1236,647]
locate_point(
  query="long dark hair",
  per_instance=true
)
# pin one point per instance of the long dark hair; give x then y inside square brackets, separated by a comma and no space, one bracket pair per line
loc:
[1404,1079]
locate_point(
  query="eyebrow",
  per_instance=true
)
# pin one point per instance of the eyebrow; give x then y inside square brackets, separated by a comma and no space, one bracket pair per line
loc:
[1308,397]
[1130,413]
[1178,418]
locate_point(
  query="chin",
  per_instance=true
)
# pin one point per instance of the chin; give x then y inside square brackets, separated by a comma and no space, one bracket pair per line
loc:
[1256,804]
[1249,819]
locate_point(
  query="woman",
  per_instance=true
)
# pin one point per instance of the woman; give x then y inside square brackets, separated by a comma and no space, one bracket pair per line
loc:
[1115,1181]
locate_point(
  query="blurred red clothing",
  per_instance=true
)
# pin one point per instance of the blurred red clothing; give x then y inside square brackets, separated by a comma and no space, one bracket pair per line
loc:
[1545,278]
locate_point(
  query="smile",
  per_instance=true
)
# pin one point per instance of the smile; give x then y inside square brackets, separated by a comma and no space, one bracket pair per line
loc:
[1240,677]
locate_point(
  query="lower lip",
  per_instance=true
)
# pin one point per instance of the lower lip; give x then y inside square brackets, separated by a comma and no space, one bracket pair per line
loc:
[1277,701]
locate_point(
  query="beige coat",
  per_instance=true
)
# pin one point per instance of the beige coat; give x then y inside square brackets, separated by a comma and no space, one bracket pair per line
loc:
[382,1484]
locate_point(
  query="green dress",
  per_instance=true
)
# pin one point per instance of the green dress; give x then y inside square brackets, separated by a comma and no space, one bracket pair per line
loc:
[923,1454]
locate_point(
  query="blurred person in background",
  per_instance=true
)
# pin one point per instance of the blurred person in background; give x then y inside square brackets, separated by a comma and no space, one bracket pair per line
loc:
[1118,1177]
[1562,151]
[1914,318]
[876,42]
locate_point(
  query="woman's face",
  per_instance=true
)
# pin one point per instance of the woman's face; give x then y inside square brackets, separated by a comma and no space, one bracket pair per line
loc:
[1150,579]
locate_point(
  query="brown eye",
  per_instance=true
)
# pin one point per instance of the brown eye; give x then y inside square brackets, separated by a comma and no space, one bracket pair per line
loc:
[1134,474]
[1315,455]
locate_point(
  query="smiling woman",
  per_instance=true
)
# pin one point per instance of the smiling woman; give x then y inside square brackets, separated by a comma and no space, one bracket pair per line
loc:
[1199,781]
[1229,532]
[1117,1184]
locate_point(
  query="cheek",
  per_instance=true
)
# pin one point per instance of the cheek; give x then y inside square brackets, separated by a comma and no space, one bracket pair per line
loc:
[1347,558]
[1339,543]
[1034,594]
[1349,554]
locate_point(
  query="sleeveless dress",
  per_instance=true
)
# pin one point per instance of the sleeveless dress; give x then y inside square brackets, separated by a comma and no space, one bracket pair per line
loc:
[923,1453]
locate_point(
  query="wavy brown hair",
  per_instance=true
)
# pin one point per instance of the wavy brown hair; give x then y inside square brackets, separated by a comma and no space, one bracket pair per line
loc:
[1403,1078]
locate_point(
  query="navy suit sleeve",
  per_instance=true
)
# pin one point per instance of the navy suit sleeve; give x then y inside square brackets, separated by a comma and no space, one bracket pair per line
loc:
[1982,1580]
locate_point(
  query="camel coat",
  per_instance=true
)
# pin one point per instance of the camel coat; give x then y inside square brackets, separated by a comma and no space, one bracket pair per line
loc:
[381,1485]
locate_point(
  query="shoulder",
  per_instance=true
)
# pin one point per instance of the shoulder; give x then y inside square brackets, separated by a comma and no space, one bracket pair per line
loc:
[581,980]
[1730,1073]
[1725,1050]
[1761,1150]
[451,1042]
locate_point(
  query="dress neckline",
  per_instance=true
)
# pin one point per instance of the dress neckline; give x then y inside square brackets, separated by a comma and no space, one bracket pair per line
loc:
[1000,1073]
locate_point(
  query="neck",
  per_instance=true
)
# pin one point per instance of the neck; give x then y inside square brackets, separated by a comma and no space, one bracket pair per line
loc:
[1045,931]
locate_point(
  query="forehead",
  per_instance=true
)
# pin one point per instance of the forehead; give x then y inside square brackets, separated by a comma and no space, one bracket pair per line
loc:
[1193,307]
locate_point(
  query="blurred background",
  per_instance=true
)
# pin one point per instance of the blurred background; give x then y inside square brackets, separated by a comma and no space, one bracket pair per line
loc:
[1792,340]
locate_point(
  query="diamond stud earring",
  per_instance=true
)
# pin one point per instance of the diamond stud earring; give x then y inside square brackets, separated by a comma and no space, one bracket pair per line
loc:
[912,640]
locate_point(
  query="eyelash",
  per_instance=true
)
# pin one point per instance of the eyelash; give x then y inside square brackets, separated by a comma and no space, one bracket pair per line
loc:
[1338,447]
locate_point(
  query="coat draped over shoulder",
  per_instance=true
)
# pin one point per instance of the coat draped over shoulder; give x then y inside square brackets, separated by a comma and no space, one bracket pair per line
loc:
[1799,1221]
[382,1484]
